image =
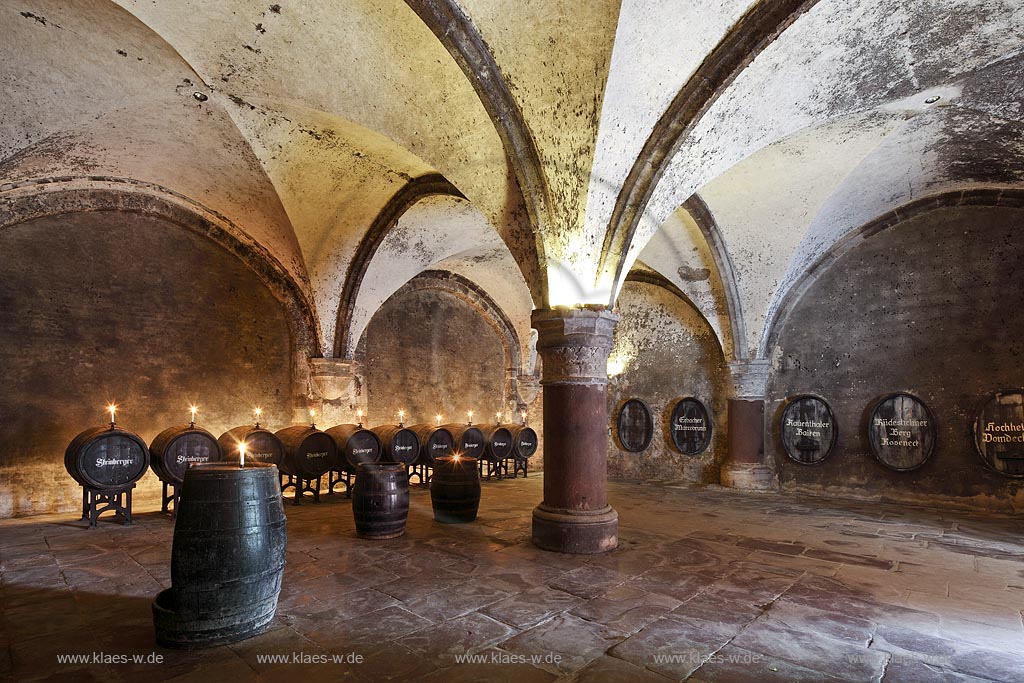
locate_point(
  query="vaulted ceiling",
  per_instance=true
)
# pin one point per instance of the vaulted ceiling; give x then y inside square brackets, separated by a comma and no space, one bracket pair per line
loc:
[536,148]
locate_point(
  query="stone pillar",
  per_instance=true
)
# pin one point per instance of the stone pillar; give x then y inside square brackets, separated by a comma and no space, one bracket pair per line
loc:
[744,467]
[575,517]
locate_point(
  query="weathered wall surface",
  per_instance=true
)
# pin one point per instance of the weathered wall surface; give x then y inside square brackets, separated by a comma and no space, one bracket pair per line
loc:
[929,306]
[108,306]
[668,352]
[429,352]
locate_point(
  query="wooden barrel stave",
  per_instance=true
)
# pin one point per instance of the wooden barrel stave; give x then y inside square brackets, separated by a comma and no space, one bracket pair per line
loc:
[261,445]
[468,440]
[177,448]
[455,490]
[498,442]
[524,442]
[355,445]
[400,443]
[88,457]
[435,442]
[308,452]
[380,500]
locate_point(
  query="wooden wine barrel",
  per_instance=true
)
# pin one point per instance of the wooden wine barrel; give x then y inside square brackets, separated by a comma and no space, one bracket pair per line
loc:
[524,442]
[635,426]
[380,500]
[355,445]
[400,443]
[499,442]
[690,426]
[999,433]
[455,490]
[469,440]
[106,459]
[435,442]
[176,449]
[901,432]
[308,452]
[807,429]
[227,557]
[261,445]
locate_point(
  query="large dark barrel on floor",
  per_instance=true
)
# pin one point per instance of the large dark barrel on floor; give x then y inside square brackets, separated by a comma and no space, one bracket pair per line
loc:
[176,449]
[355,445]
[106,459]
[308,452]
[261,445]
[227,557]
[400,443]
[455,490]
[498,442]
[380,500]
[435,442]
[469,440]
[524,442]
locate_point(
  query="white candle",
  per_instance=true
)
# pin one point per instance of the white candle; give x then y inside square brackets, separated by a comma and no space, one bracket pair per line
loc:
[112,408]
[524,418]
[438,420]
[401,417]
[312,417]
[193,410]
[241,454]
[498,416]
[469,414]
[359,416]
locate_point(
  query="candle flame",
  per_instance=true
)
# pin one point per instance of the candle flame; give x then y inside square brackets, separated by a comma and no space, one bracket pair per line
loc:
[438,420]
[401,414]
[113,409]
[241,454]
[498,415]
[257,411]
[193,410]
[312,412]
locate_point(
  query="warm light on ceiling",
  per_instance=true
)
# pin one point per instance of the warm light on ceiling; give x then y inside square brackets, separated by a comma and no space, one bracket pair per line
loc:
[567,286]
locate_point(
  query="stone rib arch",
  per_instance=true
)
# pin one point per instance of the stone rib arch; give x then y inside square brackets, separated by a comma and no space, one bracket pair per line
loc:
[757,29]
[993,197]
[656,279]
[24,201]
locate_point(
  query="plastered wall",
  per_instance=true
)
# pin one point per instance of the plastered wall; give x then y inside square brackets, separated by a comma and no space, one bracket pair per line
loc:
[111,306]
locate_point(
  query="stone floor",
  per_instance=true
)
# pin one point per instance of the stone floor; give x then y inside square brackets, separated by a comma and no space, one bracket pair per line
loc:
[707,585]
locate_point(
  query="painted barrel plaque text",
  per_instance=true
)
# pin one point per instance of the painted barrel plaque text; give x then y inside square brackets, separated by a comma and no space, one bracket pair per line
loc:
[999,433]
[691,426]
[901,432]
[808,429]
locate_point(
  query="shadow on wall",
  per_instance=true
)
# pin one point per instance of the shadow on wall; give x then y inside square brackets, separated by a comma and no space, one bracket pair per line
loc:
[928,306]
[667,352]
[107,306]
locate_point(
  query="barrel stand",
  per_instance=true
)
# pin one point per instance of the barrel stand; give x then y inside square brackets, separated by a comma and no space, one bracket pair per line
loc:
[301,487]
[342,478]
[97,501]
[169,501]
[490,469]
[423,474]
[517,466]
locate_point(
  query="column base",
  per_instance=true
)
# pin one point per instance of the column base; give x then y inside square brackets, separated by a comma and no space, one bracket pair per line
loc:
[747,476]
[580,532]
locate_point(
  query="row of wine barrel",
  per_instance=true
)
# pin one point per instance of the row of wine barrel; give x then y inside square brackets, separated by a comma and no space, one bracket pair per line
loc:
[108,458]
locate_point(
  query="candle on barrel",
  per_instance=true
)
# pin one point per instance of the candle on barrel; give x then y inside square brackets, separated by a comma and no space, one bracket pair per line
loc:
[359,417]
[312,418]
[193,410]
[113,409]
[439,420]
[241,454]
[497,417]
[256,413]
[469,414]
[524,417]
[401,418]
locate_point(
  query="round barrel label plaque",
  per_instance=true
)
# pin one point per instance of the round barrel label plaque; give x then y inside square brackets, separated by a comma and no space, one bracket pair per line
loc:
[691,427]
[901,432]
[999,433]
[635,425]
[808,429]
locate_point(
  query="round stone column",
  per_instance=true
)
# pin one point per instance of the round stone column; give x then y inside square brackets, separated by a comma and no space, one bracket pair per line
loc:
[574,344]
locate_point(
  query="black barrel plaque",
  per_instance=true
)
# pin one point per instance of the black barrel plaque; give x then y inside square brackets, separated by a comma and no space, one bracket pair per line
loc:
[635,425]
[691,427]
[808,429]
[901,432]
[999,433]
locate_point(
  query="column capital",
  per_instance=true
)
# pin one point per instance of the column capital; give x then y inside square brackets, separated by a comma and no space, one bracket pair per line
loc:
[749,379]
[574,343]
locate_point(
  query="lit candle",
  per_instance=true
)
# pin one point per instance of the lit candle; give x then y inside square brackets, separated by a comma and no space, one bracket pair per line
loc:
[455,457]
[469,414]
[401,417]
[498,416]
[359,416]
[241,454]
[312,417]
[257,412]
[438,420]
[524,418]
[193,410]
[112,408]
